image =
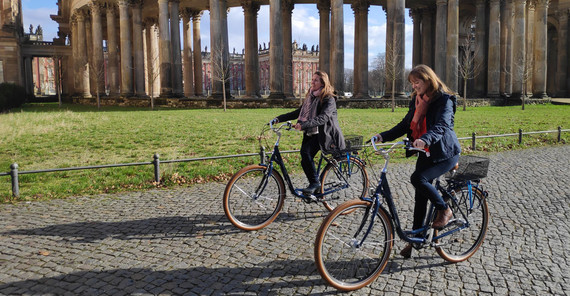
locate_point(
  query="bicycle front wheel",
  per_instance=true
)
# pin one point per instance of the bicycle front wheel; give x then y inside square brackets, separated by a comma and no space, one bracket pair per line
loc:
[349,257]
[462,244]
[337,175]
[253,200]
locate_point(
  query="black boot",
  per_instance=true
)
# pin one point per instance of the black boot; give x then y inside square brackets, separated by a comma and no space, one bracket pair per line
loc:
[313,187]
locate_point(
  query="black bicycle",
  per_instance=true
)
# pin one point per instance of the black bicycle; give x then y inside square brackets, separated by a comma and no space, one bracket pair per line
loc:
[354,242]
[254,196]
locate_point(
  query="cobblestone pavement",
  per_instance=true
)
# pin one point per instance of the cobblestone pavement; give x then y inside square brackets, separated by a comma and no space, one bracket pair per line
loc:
[176,242]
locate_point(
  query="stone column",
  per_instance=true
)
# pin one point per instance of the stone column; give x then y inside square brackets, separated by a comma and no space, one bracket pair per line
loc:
[494,53]
[481,46]
[198,76]
[562,71]
[82,61]
[275,50]
[187,53]
[98,67]
[416,16]
[452,44]
[89,46]
[112,50]
[165,52]
[427,37]
[519,49]
[357,30]
[440,38]
[337,46]
[540,38]
[138,48]
[506,26]
[361,51]
[287,9]
[400,45]
[177,88]
[529,56]
[126,49]
[250,9]
[74,77]
[324,7]
[153,61]
[219,46]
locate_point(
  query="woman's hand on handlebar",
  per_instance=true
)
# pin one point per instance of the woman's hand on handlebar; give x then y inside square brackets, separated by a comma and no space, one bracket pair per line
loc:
[419,143]
[297,126]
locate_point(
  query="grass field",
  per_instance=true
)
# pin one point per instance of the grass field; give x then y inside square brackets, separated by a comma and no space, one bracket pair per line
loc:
[43,136]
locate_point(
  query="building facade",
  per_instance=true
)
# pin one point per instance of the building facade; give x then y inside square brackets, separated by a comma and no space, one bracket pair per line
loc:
[521,46]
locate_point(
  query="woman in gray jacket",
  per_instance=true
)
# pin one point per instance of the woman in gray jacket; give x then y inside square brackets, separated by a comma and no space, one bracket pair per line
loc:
[317,118]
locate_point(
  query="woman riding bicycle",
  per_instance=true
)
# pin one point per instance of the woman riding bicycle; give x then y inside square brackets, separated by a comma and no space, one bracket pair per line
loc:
[429,125]
[317,117]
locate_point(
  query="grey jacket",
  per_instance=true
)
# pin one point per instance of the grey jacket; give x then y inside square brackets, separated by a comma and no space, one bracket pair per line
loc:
[330,136]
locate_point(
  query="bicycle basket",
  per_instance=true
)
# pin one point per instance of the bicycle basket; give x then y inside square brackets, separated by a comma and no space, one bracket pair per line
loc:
[471,168]
[353,142]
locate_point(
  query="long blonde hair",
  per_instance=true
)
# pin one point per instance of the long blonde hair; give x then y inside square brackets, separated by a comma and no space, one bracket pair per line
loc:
[328,89]
[426,74]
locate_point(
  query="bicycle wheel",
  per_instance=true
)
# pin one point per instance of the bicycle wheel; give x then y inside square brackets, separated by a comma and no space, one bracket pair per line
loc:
[461,245]
[252,201]
[341,260]
[335,175]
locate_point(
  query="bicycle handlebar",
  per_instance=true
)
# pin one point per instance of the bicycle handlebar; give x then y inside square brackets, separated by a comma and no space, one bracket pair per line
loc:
[406,142]
[287,125]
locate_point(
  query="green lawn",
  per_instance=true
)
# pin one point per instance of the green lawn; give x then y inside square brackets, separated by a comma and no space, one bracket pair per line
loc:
[42,136]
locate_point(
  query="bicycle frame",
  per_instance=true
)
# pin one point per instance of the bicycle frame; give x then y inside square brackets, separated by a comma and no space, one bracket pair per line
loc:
[277,158]
[424,234]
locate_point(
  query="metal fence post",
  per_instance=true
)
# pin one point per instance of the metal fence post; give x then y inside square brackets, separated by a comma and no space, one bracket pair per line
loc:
[262,155]
[520,136]
[15,184]
[473,141]
[156,163]
[559,132]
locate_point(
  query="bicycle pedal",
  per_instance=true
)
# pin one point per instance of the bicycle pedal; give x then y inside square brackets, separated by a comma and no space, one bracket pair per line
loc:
[310,199]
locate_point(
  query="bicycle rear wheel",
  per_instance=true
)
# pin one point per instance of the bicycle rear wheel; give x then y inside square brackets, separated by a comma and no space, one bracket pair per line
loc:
[338,175]
[342,258]
[462,244]
[252,200]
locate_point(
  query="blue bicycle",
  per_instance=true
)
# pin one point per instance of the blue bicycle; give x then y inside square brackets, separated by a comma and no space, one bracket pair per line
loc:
[355,240]
[254,196]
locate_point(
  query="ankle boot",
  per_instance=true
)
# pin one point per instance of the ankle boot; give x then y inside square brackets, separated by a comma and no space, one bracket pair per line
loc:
[406,252]
[443,217]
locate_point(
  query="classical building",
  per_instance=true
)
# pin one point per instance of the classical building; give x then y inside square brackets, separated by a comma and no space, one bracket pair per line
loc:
[520,47]
[305,62]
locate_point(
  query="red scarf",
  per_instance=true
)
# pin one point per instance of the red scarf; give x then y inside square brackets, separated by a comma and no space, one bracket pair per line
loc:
[418,125]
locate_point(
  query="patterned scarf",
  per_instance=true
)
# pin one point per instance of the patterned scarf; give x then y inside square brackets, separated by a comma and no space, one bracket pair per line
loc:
[308,112]
[418,125]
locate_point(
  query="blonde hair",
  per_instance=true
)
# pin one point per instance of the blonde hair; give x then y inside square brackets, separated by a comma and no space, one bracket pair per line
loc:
[426,74]
[328,89]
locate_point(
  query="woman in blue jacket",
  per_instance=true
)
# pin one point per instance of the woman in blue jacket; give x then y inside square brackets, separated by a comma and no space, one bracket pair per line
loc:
[429,125]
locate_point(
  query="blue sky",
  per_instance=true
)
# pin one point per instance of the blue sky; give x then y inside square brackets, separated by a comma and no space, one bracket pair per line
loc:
[305,23]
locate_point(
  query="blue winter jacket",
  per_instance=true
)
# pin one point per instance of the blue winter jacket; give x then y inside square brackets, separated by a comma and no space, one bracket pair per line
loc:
[440,136]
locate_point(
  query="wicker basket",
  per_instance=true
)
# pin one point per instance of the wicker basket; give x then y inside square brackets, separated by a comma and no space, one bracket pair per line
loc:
[353,142]
[471,168]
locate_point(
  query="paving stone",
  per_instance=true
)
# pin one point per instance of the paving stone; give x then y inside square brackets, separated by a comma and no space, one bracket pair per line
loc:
[179,242]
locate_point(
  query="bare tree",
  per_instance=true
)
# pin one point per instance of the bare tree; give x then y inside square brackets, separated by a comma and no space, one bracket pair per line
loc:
[220,70]
[378,73]
[153,75]
[97,70]
[58,71]
[469,65]
[393,70]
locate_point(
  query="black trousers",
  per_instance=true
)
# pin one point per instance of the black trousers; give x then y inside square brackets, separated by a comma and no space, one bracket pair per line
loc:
[422,179]
[309,148]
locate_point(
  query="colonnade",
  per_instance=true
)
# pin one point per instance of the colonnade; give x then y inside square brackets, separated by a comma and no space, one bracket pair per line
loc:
[145,57]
